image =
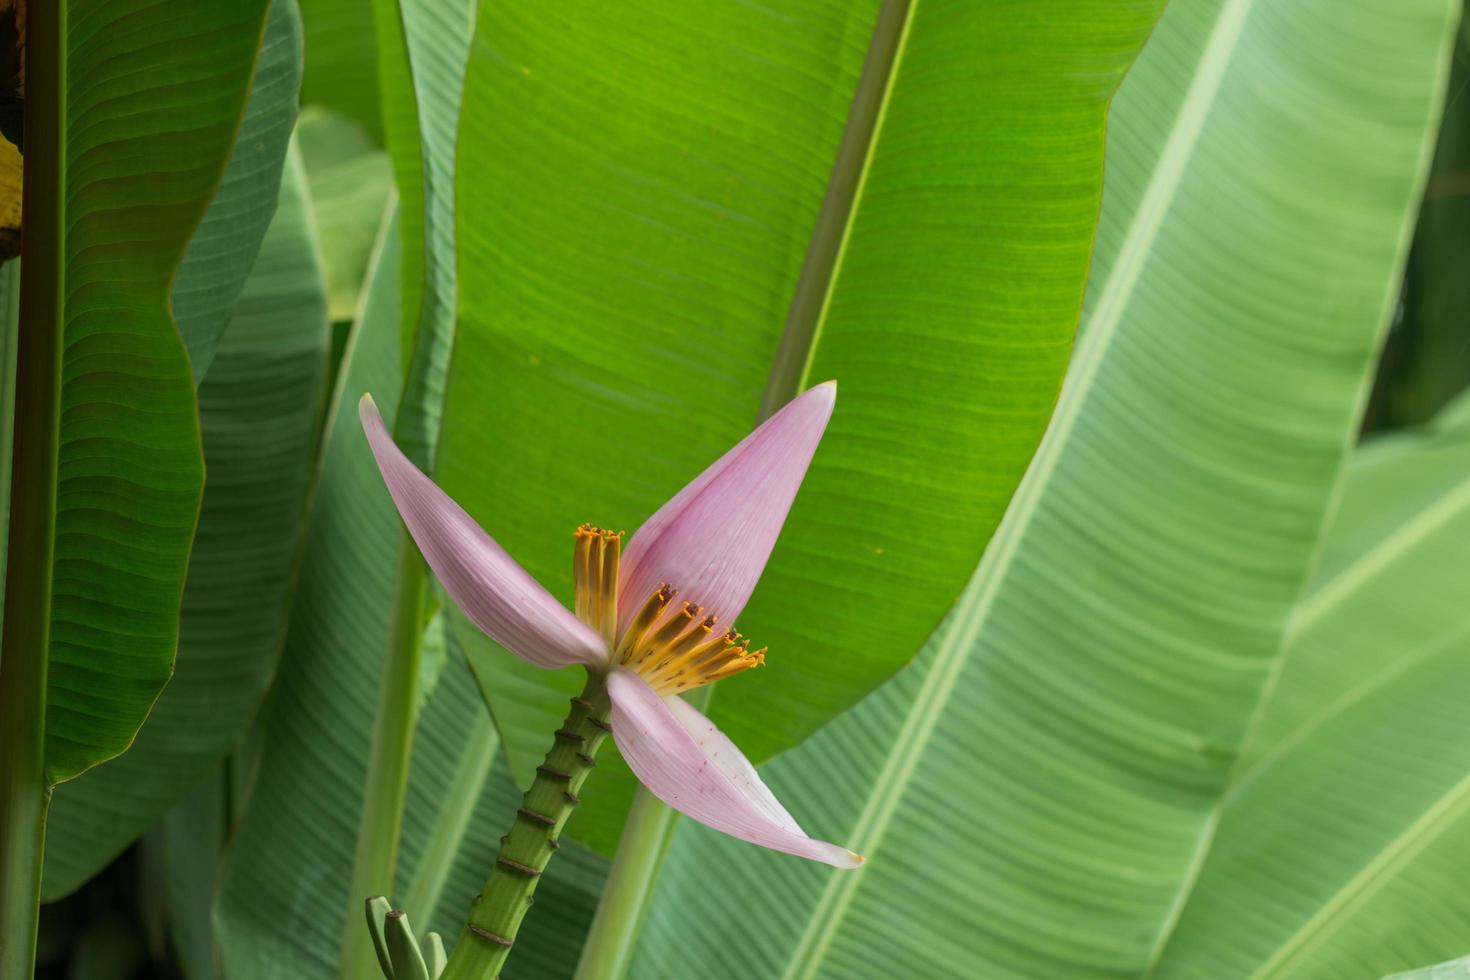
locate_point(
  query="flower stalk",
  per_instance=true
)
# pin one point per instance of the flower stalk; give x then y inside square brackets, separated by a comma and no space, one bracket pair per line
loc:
[496,914]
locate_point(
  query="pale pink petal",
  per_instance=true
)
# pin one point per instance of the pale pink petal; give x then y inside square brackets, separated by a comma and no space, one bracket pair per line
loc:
[712,539]
[493,591]
[689,764]
[728,758]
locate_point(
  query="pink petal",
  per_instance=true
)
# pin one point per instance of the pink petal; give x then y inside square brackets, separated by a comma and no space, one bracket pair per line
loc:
[712,539]
[495,593]
[688,763]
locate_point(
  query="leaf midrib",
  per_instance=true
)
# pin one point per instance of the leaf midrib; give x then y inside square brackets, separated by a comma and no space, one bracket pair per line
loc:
[974,605]
[810,301]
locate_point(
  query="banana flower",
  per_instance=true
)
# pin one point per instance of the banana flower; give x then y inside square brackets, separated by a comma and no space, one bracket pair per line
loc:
[656,618]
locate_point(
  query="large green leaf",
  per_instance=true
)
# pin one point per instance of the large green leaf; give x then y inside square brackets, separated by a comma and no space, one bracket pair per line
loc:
[223,249]
[1341,849]
[646,194]
[423,47]
[284,886]
[92,820]
[134,107]
[1036,795]
[421,61]
[259,407]
[128,475]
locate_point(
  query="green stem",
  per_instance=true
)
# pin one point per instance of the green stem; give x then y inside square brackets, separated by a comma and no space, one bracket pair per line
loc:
[608,950]
[25,792]
[378,833]
[496,915]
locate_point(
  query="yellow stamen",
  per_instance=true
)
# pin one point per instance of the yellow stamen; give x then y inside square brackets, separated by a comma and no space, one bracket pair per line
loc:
[662,638]
[652,609]
[595,570]
[690,641]
[580,566]
[694,647]
[611,552]
[682,652]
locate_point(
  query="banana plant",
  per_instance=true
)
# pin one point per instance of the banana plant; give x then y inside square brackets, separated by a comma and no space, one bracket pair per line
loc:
[1189,656]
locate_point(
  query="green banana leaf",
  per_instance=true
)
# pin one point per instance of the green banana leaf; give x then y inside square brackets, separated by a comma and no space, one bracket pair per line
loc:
[419,49]
[1340,848]
[223,249]
[414,69]
[107,474]
[643,202]
[423,46]
[283,893]
[1037,794]
[260,405]
[129,473]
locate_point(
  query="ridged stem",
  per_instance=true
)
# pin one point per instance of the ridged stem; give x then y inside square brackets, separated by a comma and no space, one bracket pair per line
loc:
[608,949]
[496,915]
